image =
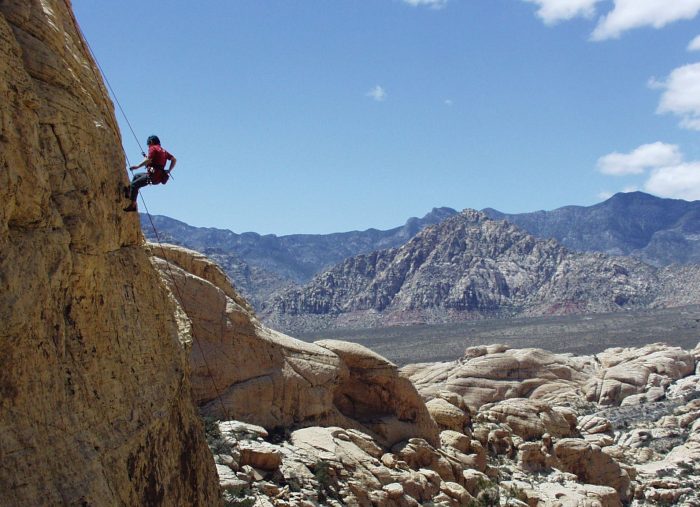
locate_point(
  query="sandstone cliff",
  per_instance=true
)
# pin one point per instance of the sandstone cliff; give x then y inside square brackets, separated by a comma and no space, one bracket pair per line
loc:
[95,406]
[518,427]
[244,370]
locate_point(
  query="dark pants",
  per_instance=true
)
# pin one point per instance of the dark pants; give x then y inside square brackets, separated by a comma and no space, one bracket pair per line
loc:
[139,181]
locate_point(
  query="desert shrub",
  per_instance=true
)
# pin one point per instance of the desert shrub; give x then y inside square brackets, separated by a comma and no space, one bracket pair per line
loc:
[238,499]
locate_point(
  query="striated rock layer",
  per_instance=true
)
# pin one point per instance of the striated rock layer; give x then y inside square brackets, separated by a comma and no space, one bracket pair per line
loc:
[94,403]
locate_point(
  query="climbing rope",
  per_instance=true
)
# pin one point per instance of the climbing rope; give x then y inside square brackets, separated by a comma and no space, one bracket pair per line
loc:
[182,302]
[155,230]
[109,85]
[150,218]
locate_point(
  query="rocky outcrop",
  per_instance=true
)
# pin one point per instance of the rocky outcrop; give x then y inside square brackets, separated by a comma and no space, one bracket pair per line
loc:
[504,456]
[94,405]
[468,267]
[489,374]
[591,465]
[244,370]
[638,375]
[518,426]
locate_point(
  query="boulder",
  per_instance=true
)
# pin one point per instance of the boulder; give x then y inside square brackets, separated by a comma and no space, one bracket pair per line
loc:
[594,424]
[371,391]
[533,457]
[456,440]
[591,465]
[580,495]
[529,419]
[474,481]
[394,490]
[260,456]
[489,375]
[468,453]
[446,415]
[457,492]
[418,453]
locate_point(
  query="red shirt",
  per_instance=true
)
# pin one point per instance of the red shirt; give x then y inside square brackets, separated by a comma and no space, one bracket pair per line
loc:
[158,157]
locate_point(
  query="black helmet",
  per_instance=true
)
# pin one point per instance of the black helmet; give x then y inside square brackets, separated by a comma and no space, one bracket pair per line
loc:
[153,140]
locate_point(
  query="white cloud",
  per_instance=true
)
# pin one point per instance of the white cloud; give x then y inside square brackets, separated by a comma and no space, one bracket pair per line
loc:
[681,95]
[647,156]
[553,11]
[670,175]
[377,93]
[449,102]
[629,14]
[694,44]
[433,4]
[625,14]
[681,181]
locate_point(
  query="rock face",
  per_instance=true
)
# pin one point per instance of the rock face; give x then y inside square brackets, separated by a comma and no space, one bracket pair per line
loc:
[94,407]
[244,370]
[655,230]
[466,267]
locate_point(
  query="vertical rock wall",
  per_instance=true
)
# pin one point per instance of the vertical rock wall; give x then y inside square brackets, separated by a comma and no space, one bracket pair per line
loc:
[94,390]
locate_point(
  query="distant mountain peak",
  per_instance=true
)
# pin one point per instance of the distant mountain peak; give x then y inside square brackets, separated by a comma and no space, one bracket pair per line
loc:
[467,266]
[656,230]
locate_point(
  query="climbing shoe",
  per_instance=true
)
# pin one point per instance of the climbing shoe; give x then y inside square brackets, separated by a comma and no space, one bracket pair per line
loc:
[131,207]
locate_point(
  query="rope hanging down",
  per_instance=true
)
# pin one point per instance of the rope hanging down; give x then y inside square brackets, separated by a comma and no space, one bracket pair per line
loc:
[111,90]
[182,302]
[155,231]
[150,218]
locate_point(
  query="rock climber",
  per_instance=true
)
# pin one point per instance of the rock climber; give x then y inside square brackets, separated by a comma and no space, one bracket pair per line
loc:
[155,163]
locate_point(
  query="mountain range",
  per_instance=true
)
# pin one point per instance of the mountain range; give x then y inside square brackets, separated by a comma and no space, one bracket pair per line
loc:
[260,265]
[655,230]
[658,231]
[470,266]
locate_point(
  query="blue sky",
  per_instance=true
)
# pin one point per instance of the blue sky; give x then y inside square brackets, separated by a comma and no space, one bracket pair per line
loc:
[317,116]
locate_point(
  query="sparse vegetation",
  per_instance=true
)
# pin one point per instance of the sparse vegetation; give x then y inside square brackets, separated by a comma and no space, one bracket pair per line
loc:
[217,442]
[322,475]
[487,494]
[211,428]
[238,498]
